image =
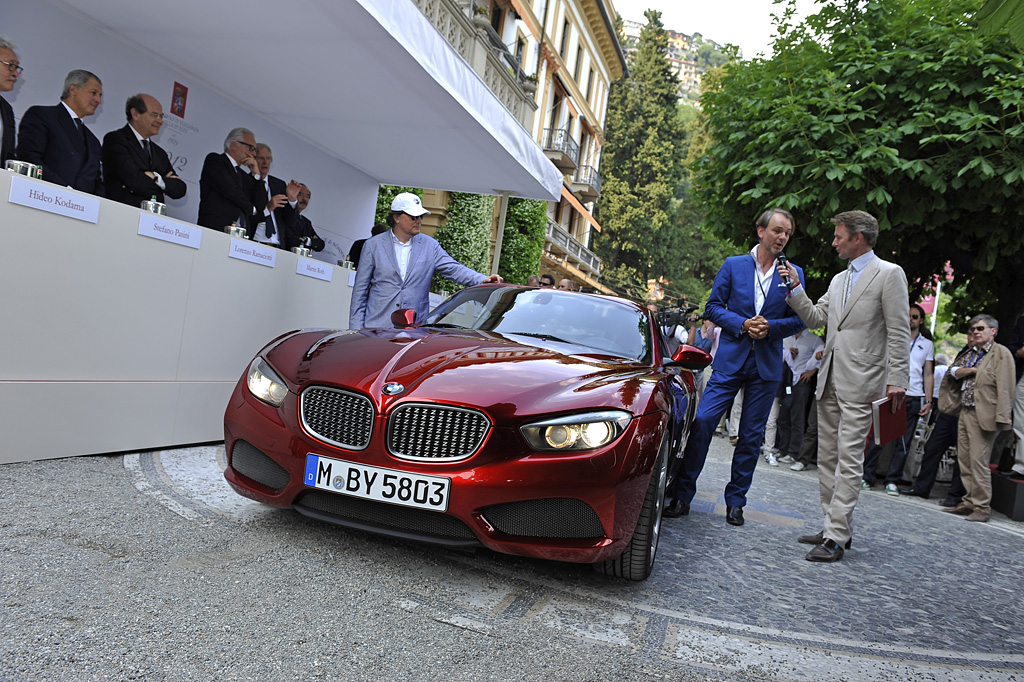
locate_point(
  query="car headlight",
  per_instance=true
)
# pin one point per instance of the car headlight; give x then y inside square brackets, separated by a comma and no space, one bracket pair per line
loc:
[577,431]
[264,383]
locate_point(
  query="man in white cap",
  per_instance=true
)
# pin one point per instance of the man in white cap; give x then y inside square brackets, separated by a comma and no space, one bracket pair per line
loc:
[396,267]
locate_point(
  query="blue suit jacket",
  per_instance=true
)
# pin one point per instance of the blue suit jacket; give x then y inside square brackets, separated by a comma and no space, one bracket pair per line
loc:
[380,290]
[732,301]
[48,136]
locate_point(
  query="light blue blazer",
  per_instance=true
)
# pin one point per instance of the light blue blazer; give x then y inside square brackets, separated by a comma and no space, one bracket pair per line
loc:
[380,290]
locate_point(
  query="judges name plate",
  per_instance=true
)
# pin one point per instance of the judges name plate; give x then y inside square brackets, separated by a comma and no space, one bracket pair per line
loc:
[252,252]
[314,268]
[158,227]
[53,199]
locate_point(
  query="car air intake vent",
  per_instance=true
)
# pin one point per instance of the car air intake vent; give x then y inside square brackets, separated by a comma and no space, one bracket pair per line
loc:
[351,511]
[438,433]
[339,417]
[249,461]
[558,517]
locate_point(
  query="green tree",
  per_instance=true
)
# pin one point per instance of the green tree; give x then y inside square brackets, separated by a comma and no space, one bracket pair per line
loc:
[642,165]
[996,15]
[466,235]
[901,109]
[523,239]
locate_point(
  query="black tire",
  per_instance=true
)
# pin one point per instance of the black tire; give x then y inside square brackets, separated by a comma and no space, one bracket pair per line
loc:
[637,560]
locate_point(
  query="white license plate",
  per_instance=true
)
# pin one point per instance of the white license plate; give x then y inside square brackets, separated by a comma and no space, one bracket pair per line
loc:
[375,483]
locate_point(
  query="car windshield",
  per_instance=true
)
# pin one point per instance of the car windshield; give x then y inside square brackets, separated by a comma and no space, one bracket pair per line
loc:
[609,326]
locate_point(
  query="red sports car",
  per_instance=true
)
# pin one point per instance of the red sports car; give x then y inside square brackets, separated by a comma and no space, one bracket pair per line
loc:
[530,421]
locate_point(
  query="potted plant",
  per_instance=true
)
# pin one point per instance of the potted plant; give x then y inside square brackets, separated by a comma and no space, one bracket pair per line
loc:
[530,83]
[481,17]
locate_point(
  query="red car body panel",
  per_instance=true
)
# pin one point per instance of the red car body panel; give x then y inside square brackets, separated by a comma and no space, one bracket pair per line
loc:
[513,384]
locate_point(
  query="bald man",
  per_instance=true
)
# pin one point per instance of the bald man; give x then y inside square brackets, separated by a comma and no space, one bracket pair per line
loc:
[135,168]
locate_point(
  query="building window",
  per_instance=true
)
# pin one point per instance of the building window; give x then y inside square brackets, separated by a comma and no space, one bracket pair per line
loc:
[590,84]
[579,63]
[520,49]
[565,39]
[497,15]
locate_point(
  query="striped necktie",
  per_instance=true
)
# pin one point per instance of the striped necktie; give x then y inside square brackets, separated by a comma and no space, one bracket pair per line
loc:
[847,285]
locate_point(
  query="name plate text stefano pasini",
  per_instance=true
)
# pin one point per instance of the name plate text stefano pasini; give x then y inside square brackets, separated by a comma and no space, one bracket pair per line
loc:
[252,252]
[314,268]
[159,227]
[46,197]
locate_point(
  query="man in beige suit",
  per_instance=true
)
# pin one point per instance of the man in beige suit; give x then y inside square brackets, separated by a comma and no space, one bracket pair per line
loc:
[985,373]
[866,357]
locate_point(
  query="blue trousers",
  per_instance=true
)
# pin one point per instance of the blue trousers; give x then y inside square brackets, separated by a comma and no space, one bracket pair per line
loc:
[758,395]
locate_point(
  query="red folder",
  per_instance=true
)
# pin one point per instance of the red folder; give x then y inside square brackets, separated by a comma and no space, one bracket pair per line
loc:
[885,424]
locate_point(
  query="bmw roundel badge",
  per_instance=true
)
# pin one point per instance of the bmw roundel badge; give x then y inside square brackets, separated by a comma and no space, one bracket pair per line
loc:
[393,389]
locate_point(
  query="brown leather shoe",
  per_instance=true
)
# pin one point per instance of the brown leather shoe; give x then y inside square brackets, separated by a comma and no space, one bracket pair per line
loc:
[962,509]
[977,515]
[819,538]
[827,552]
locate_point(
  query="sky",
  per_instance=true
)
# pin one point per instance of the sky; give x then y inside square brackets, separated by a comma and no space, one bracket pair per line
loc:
[746,23]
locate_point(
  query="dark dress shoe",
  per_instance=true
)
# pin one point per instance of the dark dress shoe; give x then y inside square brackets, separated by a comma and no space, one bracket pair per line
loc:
[676,509]
[950,501]
[827,552]
[819,538]
[911,492]
[734,516]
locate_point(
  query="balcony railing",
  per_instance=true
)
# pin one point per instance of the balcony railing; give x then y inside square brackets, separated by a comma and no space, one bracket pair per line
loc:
[587,183]
[571,247]
[563,151]
[476,46]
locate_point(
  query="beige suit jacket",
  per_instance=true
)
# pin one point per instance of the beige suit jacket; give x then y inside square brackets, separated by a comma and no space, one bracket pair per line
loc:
[994,389]
[867,346]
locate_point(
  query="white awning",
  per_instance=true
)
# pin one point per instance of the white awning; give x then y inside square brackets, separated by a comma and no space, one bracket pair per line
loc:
[370,82]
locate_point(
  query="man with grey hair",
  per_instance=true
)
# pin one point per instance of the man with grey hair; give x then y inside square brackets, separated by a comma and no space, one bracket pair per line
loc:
[230,187]
[10,69]
[985,373]
[866,357]
[57,138]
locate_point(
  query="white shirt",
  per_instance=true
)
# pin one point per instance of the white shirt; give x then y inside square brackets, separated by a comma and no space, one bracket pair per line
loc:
[940,371]
[159,180]
[762,281]
[807,346]
[921,351]
[402,253]
[261,229]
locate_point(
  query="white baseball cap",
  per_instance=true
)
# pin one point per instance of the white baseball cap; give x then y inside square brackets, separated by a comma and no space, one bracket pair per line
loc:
[407,202]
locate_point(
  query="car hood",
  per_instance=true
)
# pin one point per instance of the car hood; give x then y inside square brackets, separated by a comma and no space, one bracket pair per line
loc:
[508,377]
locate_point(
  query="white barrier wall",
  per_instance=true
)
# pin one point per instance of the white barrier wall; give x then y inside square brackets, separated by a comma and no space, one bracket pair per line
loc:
[115,341]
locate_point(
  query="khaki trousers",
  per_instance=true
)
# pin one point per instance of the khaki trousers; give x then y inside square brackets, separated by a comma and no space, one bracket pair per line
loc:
[974,451]
[1018,427]
[842,433]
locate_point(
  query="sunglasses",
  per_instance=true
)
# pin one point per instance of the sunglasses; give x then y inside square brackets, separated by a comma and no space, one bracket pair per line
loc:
[979,328]
[414,217]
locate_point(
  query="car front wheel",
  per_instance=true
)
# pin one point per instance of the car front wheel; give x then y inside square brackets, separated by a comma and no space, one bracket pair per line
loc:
[637,560]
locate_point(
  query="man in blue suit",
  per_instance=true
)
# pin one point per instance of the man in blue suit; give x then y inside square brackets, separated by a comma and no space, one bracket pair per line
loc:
[396,267]
[57,138]
[748,301]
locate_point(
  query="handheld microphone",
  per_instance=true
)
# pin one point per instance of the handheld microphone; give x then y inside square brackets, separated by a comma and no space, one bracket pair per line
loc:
[785,278]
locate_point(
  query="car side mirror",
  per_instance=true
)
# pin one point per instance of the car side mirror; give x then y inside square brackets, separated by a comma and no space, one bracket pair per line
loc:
[689,357]
[404,318]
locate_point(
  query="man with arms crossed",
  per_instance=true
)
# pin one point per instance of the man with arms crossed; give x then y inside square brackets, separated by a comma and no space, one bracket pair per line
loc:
[867,357]
[750,307]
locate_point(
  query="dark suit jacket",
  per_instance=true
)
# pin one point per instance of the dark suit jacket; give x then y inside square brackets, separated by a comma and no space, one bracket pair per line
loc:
[125,165]
[355,252]
[48,137]
[224,195]
[285,217]
[7,144]
[304,228]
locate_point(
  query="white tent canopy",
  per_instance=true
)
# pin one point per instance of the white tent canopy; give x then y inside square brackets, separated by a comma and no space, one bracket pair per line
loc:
[370,82]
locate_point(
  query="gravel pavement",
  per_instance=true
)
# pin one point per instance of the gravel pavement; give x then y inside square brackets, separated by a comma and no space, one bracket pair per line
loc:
[147,567]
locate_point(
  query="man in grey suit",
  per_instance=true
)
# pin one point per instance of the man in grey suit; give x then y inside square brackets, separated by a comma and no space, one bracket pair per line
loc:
[866,357]
[396,267]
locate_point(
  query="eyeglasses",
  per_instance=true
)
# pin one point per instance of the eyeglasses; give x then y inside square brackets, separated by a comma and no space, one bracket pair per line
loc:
[250,147]
[915,317]
[979,328]
[16,68]
[547,285]
[414,217]
[305,196]
[157,116]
